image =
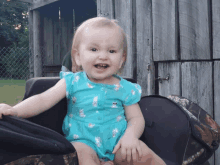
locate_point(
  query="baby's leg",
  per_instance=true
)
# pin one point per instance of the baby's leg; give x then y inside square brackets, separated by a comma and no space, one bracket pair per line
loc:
[86,155]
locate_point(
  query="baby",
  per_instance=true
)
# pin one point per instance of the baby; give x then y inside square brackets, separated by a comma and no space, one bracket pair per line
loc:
[104,121]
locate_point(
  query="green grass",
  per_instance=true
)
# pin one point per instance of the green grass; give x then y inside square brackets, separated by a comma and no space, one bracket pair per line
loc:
[12,91]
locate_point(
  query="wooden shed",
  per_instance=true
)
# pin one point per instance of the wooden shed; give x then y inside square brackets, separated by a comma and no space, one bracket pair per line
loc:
[173,45]
[51,29]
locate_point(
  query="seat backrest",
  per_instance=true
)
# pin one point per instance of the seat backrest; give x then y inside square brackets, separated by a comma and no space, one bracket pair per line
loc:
[52,118]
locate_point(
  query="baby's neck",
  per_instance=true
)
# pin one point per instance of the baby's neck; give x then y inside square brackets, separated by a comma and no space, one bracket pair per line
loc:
[113,80]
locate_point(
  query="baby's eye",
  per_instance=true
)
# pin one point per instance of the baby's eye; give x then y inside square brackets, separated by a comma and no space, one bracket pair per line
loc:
[93,49]
[112,51]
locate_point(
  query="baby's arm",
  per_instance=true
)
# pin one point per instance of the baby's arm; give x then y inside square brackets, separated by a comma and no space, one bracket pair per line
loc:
[129,143]
[37,104]
[136,122]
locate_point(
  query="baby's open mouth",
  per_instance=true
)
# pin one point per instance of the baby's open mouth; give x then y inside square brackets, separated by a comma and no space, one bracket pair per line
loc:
[100,66]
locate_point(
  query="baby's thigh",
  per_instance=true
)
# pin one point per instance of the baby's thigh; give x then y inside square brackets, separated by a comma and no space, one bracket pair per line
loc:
[85,153]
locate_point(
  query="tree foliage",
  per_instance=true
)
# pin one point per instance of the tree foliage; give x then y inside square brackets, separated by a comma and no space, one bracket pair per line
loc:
[13,23]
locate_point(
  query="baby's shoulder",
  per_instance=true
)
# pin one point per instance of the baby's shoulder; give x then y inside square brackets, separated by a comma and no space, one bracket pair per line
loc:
[129,86]
[127,83]
[70,74]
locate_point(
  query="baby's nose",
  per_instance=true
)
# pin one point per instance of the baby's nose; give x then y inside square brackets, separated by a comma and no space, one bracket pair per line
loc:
[103,55]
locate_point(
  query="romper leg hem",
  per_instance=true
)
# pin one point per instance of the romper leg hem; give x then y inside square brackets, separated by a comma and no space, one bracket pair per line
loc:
[87,143]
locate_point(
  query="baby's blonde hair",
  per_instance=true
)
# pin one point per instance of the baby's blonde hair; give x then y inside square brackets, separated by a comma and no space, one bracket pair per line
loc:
[96,22]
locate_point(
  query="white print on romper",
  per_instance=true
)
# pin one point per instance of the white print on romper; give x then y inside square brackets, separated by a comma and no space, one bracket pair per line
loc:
[71,115]
[133,92]
[74,100]
[139,90]
[90,125]
[98,141]
[119,118]
[81,113]
[89,85]
[66,73]
[114,132]
[95,100]
[76,79]
[114,105]
[117,86]
[75,136]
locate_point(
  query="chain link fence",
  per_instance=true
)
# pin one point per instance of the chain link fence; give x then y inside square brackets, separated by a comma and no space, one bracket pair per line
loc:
[19,63]
[16,63]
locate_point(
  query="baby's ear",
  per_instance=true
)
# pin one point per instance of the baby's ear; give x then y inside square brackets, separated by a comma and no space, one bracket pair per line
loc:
[123,59]
[75,55]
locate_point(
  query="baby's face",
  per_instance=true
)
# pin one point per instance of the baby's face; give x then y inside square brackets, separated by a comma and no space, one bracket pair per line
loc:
[101,53]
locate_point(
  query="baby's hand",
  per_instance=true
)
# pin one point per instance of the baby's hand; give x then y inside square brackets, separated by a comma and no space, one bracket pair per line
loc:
[129,147]
[6,110]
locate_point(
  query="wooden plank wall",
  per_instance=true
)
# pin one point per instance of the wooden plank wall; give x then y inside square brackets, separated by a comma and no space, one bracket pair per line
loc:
[194,29]
[31,44]
[144,40]
[52,38]
[216,28]
[126,21]
[178,38]
[165,36]
[36,44]
[57,36]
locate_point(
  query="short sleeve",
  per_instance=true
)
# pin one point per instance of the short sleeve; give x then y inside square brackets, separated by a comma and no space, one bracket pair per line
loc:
[69,77]
[134,94]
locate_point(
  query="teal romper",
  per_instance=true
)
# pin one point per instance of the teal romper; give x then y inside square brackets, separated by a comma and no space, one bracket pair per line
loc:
[95,113]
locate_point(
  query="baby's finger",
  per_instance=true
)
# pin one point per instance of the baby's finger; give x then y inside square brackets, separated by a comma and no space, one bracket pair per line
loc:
[139,152]
[116,148]
[134,157]
[128,155]
[4,113]
[10,112]
[7,112]
[123,153]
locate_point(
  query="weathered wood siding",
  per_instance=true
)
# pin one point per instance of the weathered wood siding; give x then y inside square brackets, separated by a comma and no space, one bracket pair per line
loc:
[172,72]
[144,42]
[126,21]
[164,30]
[217,102]
[216,28]
[31,44]
[52,30]
[36,44]
[194,29]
